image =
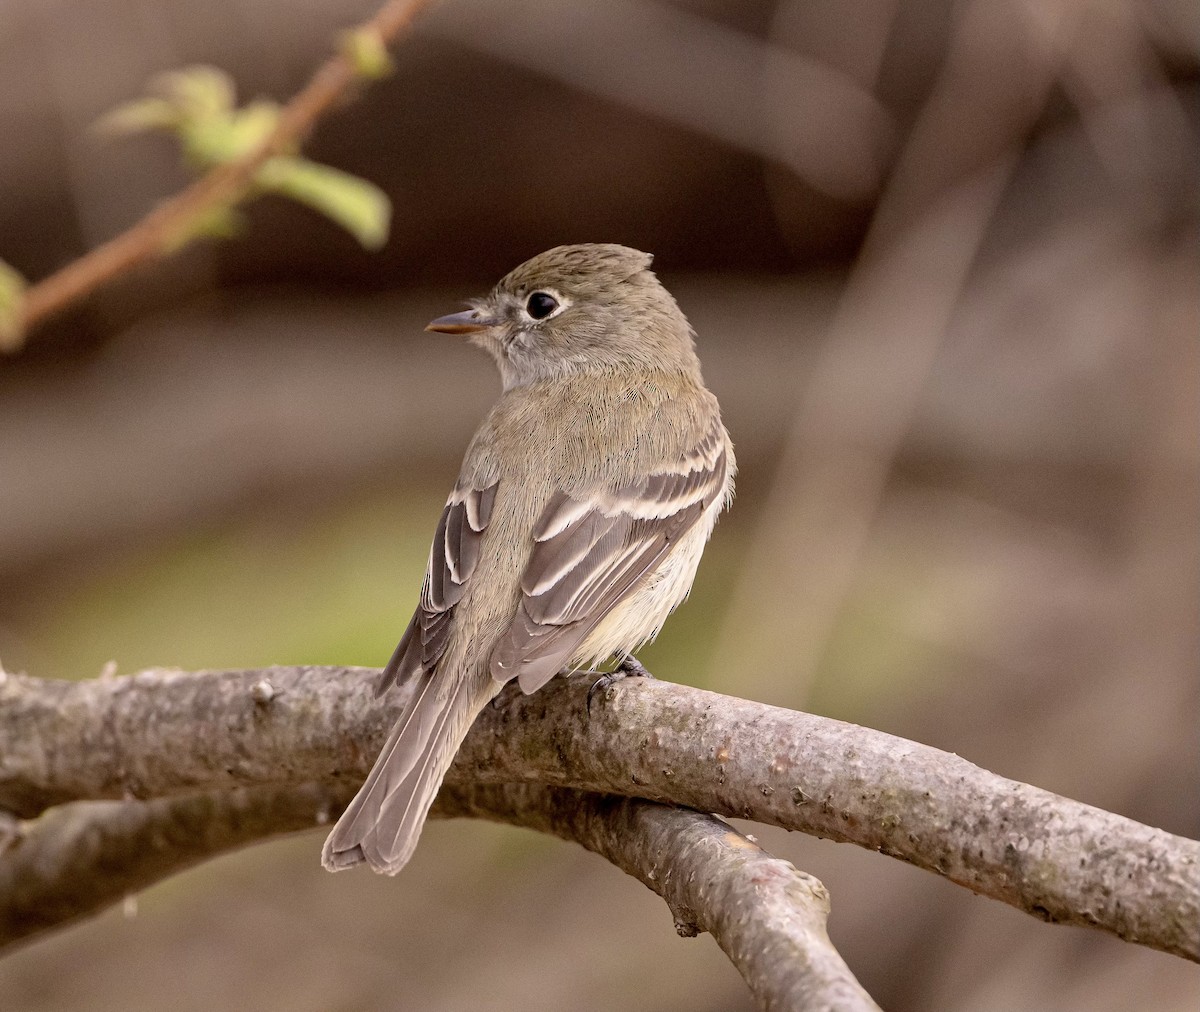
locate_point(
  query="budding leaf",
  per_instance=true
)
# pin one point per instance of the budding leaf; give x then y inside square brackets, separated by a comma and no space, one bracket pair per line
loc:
[199,92]
[365,50]
[219,222]
[360,207]
[138,116]
[213,140]
[12,292]
[197,104]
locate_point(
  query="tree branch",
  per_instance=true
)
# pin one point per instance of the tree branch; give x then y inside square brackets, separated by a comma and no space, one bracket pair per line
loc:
[1052,857]
[80,858]
[160,230]
[768,917]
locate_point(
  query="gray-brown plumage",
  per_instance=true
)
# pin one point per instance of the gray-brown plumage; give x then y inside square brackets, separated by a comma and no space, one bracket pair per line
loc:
[576,525]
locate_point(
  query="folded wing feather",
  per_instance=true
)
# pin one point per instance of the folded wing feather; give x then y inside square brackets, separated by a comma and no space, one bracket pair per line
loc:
[592,549]
[452,560]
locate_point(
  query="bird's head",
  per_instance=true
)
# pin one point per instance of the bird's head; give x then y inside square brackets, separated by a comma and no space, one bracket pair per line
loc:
[575,309]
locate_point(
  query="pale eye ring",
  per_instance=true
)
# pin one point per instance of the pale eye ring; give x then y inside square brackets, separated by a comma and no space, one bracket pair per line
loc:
[539,305]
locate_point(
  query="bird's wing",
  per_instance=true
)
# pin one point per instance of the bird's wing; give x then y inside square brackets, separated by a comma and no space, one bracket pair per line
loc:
[592,549]
[452,559]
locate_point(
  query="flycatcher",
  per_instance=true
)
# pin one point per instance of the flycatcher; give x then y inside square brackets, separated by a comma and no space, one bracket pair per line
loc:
[576,525]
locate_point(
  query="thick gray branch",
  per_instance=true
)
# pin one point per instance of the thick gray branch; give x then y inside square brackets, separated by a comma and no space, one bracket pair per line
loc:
[1055,858]
[768,917]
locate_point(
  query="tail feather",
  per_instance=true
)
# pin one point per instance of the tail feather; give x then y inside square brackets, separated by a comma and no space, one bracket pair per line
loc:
[383,822]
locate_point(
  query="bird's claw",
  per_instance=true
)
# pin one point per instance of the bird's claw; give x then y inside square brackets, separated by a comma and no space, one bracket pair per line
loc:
[630,667]
[502,698]
[601,683]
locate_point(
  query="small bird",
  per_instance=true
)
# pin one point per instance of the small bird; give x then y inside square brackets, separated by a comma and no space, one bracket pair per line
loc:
[580,513]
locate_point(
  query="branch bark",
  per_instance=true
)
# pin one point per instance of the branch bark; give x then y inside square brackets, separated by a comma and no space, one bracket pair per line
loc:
[768,917]
[80,858]
[1052,857]
[159,231]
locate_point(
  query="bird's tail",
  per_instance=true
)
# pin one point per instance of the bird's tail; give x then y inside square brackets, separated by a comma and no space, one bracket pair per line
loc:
[383,822]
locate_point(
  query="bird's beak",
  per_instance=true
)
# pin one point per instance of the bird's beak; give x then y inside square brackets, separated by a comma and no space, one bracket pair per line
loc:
[469,321]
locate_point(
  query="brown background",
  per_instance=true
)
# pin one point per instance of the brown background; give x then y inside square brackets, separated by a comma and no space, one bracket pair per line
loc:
[968,445]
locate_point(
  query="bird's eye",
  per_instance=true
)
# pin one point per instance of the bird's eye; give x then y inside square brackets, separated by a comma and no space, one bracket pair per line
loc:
[540,305]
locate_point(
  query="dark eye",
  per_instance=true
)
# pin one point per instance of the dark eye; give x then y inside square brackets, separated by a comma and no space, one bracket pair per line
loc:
[540,305]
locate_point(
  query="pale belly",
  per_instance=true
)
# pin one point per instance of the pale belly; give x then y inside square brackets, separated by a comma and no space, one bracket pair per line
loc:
[638,618]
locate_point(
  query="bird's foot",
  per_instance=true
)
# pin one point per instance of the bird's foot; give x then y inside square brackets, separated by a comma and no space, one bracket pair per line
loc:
[630,667]
[505,696]
[633,668]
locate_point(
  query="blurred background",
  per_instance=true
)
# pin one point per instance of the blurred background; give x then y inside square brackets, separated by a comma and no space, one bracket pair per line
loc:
[942,261]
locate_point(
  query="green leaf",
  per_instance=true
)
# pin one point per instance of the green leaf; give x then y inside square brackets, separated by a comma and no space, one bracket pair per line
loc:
[212,140]
[12,293]
[365,50]
[138,116]
[214,223]
[199,92]
[197,105]
[360,207]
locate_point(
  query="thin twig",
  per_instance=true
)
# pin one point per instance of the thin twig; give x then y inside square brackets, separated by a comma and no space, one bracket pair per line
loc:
[160,230]
[161,732]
